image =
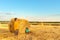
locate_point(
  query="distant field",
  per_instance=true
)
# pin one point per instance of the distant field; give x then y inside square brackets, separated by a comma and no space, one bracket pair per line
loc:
[39,32]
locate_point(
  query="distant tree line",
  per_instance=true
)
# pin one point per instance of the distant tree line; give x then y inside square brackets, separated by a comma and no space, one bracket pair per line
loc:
[4,22]
[37,23]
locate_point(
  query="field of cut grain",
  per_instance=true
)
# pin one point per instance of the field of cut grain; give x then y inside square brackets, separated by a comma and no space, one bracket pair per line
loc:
[38,32]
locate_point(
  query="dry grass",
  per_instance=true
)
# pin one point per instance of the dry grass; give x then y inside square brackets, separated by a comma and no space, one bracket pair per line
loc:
[38,33]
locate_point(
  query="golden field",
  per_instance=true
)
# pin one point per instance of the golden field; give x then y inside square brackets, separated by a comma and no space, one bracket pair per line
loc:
[38,32]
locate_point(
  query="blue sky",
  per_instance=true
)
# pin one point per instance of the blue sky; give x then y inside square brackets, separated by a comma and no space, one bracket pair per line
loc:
[30,8]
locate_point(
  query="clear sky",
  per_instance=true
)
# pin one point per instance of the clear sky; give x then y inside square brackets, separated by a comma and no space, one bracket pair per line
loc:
[30,8]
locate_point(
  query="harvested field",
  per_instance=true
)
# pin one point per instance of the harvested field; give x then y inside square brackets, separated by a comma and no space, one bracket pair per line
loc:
[37,33]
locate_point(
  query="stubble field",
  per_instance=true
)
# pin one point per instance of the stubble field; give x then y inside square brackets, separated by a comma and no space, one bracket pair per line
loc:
[38,32]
